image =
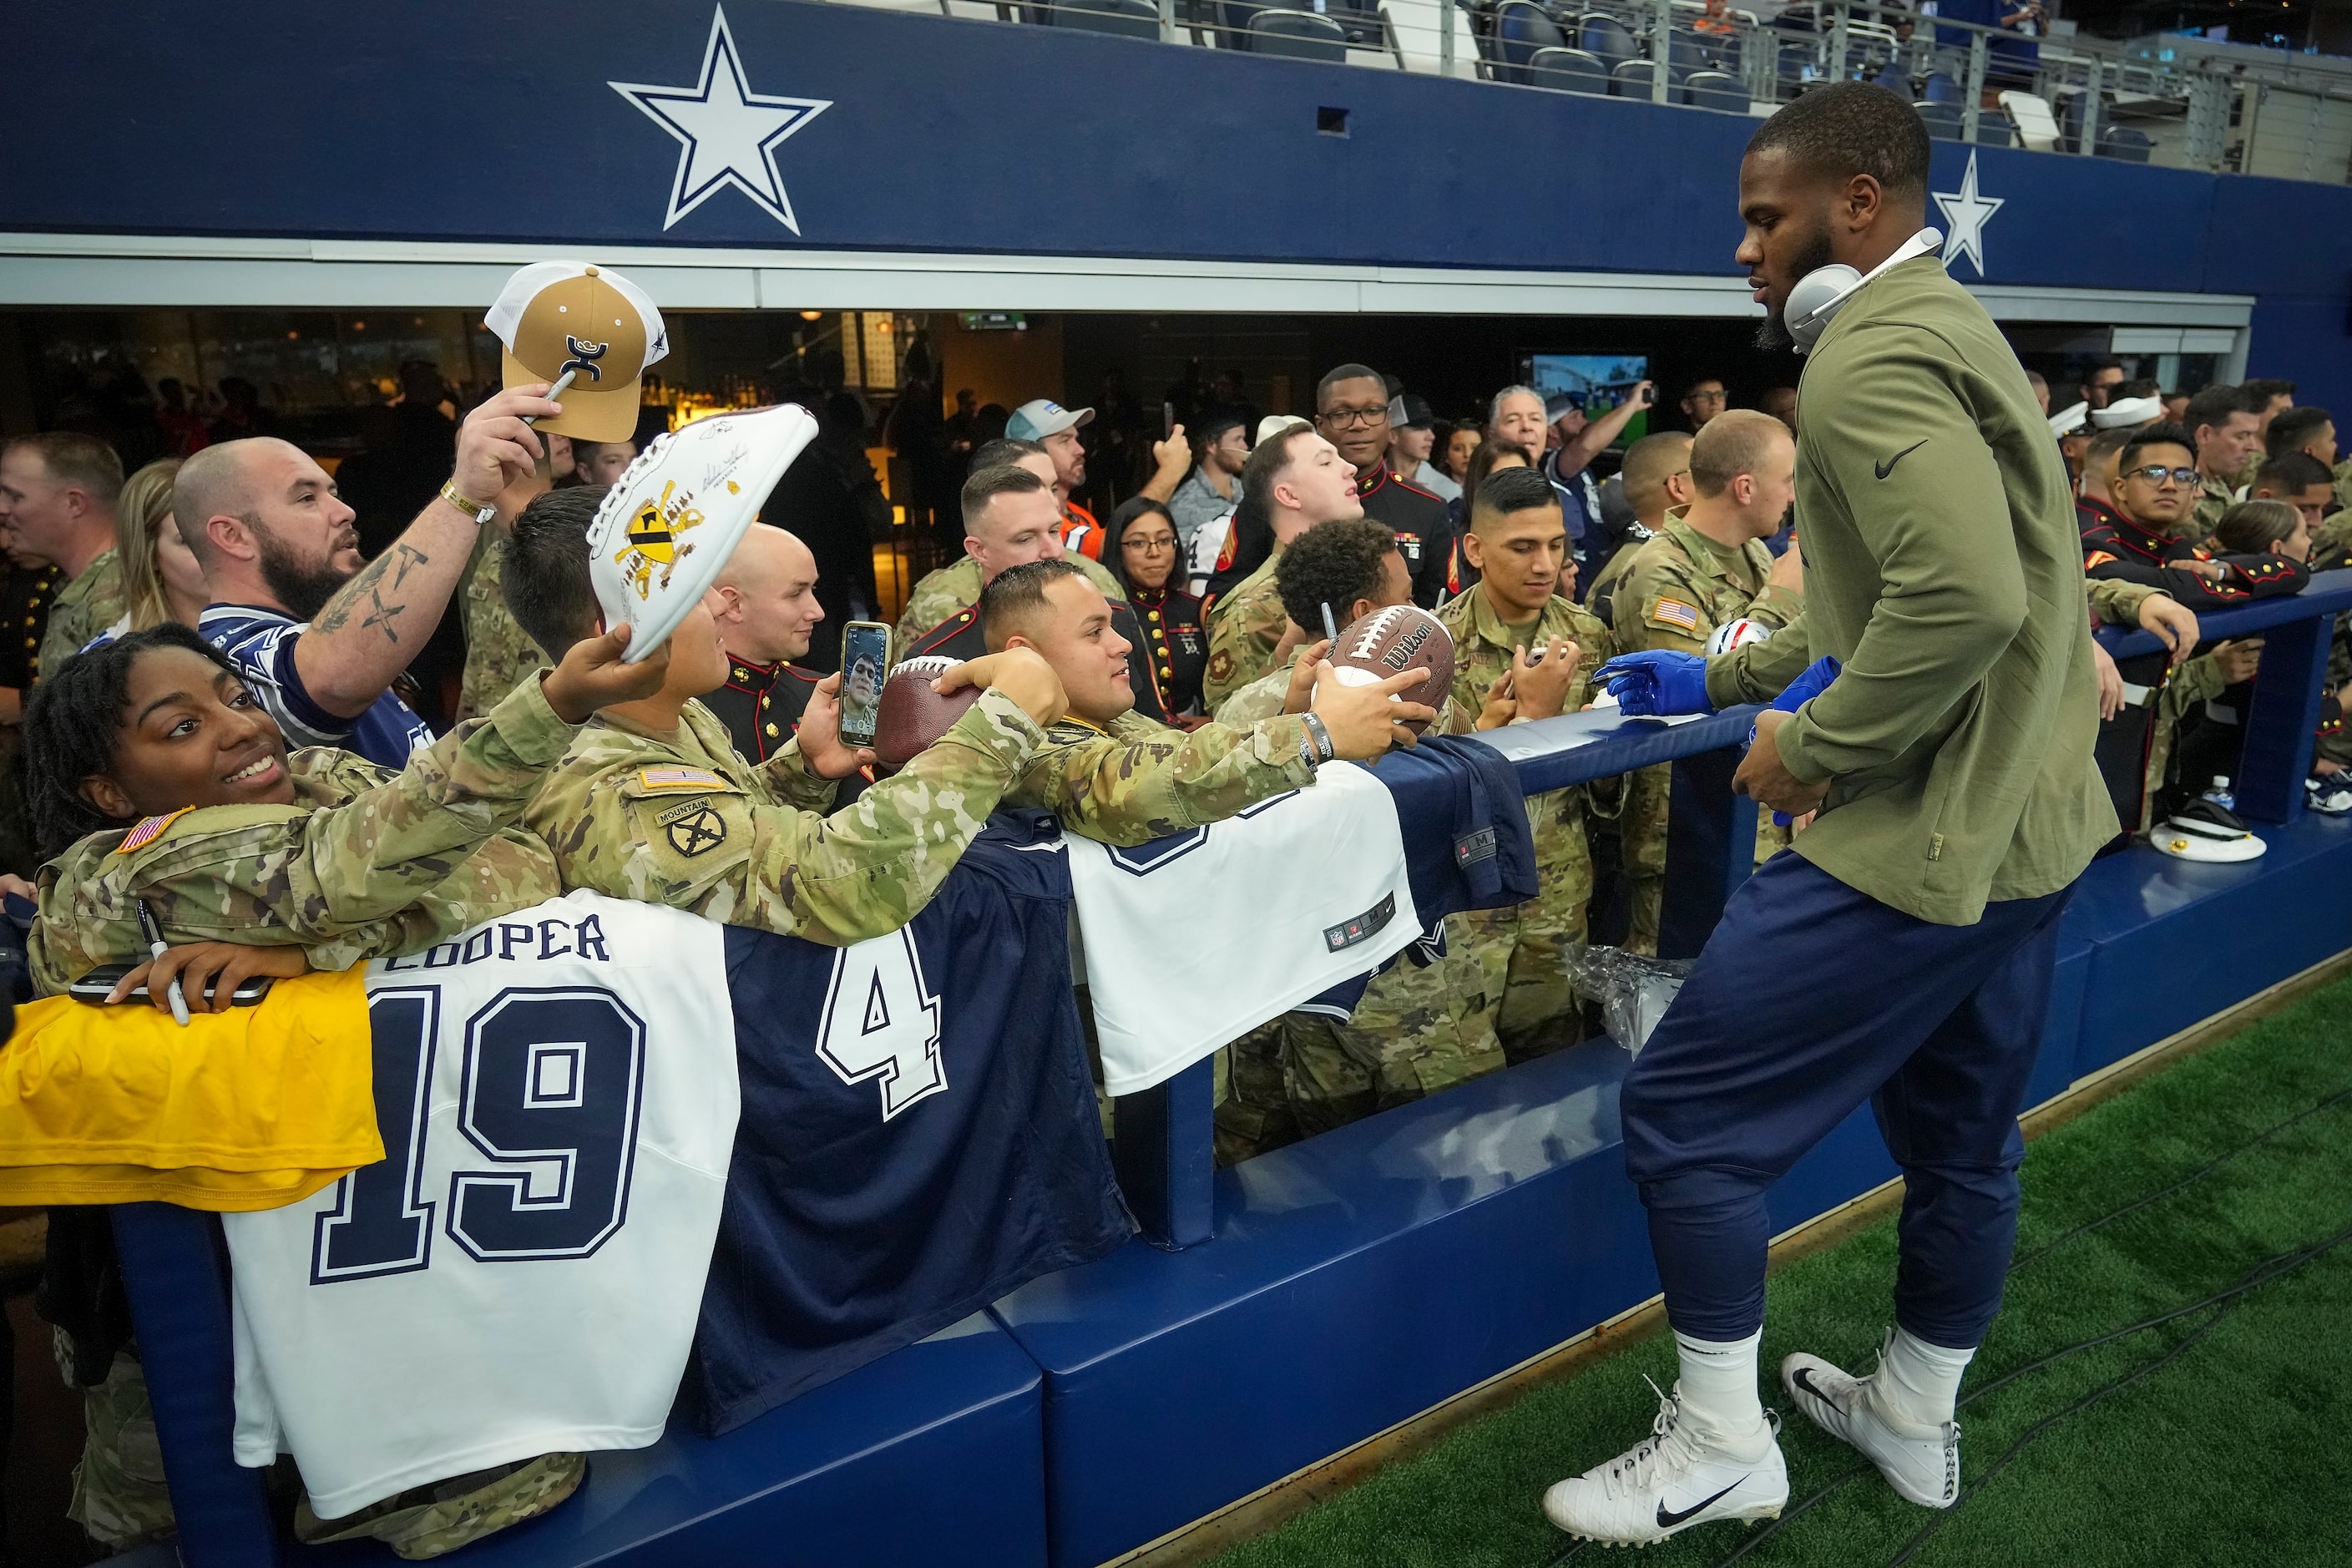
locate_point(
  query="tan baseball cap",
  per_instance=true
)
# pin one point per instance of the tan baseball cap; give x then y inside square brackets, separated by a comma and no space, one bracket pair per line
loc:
[554,316]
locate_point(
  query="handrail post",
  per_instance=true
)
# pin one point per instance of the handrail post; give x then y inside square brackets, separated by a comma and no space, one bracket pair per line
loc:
[1838,42]
[2275,753]
[1446,10]
[2090,147]
[1164,1150]
[1167,21]
[1661,53]
[1975,88]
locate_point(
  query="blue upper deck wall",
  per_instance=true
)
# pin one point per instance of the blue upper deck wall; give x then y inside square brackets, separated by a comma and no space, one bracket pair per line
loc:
[453,119]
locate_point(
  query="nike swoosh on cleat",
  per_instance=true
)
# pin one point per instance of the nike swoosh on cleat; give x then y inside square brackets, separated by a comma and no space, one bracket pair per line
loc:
[1669,1518]
[1804,1380]
[1887,467]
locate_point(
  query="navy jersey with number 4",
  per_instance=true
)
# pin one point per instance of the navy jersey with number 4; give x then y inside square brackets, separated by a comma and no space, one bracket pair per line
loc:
[919,1135]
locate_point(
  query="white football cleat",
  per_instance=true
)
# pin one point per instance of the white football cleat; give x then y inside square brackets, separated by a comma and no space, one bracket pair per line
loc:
[1679,1478]
[1922,1462]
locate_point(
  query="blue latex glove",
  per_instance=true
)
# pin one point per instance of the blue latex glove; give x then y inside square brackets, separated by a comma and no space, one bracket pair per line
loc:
[1655,684]
[1815,680]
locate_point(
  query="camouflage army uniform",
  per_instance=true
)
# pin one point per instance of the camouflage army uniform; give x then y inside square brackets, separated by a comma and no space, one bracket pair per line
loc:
[2343,473]
[367,862]
[428,1520]
[1243,628]
[83,608]
[942,593]
[1523,951]
[682,820]
[498,654]
[119,1499]
[2117,601]
[1601,592]
[1137,779]
[1677,591]
[2214,496]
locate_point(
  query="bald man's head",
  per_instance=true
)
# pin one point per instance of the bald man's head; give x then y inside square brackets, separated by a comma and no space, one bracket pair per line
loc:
[219,481]
[768,590]
[1658,475]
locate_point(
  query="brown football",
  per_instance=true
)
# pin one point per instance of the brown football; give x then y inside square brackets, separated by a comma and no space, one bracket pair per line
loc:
[911,714]
[1392,641]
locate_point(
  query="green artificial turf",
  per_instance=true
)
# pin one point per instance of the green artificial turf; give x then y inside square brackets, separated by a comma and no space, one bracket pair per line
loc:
[2236,1450]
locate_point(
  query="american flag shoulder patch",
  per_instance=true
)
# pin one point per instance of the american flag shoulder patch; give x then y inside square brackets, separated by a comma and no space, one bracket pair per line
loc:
[1675,612]
[149,830]
[679,778]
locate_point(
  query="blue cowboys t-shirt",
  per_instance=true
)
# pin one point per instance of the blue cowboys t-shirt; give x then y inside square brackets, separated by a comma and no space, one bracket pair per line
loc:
[260,643]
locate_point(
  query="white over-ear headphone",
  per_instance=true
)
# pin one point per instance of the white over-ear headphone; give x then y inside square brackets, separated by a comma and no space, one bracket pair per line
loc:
[1819,293]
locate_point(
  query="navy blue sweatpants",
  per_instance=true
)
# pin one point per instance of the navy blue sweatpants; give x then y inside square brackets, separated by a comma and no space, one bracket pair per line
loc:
[1808,999]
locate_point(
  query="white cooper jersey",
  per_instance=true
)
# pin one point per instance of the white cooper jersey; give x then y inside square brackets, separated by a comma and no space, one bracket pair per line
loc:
[521,1273]
[1315,884]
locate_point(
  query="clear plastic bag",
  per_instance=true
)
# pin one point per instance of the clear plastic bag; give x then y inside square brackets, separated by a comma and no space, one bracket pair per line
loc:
[1634,992]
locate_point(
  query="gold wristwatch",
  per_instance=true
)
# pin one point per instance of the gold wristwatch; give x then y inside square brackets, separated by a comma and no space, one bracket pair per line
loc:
[473,509]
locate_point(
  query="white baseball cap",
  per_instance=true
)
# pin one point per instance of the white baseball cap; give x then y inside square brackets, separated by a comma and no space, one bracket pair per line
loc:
[554,316]
[665,529]
[1042,417]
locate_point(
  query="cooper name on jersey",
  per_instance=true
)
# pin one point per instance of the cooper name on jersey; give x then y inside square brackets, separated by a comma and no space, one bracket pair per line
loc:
[542,939]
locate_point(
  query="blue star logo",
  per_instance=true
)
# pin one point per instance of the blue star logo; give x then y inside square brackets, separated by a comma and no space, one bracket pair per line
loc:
[727,133]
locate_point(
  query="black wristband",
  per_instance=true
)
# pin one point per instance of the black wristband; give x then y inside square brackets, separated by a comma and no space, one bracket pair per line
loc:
[1319,737]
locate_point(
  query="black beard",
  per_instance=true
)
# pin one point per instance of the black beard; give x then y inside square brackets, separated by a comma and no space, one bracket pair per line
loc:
[1772,332]
[302,590]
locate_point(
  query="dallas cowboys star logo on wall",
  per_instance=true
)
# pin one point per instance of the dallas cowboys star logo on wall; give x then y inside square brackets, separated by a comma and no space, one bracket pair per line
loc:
[1966,212]
[727,133]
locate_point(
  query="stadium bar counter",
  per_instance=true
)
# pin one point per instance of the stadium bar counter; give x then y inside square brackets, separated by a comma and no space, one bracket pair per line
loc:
[1280,1311]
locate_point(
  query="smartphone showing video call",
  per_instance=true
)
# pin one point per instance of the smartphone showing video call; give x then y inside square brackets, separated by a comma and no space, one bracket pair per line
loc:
[865,664]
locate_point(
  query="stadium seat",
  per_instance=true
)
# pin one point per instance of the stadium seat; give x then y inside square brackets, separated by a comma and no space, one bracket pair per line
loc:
[1993,131]
[2123,141]
[1568,71]
[1943,121]
[1939,88]
[1631,79]
[1299,36]
[1607,39]
[1685,53]
[1894,80]
[1521,27]
[1126,18]
[1715,90]
[2037,128]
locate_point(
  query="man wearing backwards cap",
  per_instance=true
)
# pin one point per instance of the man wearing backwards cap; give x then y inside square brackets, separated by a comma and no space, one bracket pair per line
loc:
[553,318]
[1055,429]
[653,801]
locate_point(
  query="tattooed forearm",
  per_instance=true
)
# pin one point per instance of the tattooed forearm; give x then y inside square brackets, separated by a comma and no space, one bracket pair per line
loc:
[409,556]
[381,618]
[338,613]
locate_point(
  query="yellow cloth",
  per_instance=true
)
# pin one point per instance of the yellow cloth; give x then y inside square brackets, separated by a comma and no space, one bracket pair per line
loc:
[251,1108]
